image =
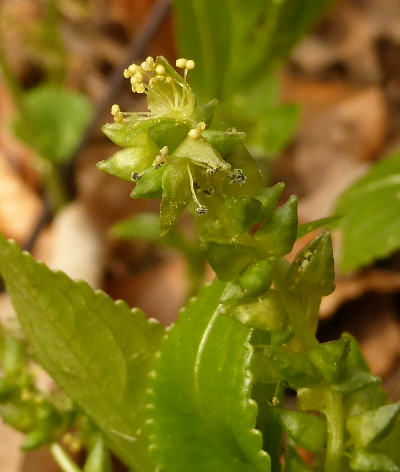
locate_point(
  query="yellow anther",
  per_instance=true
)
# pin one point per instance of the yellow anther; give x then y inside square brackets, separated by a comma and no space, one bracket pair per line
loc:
[115,109]
[160,69]
[190,64]
[168,79]
[116,113]
[133,68]
[181,63]
[140,88]
[127,74]
[150,61]
[195,133]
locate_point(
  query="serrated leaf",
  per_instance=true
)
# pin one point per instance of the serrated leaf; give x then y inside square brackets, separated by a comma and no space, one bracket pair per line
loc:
[371,461]
[371,426]
[306,430]
[98,351]
[199,415]
[371,215]
[53,121]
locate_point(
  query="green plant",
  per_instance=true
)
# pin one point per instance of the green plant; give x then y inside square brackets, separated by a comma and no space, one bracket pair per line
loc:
[370,220]
[208,393]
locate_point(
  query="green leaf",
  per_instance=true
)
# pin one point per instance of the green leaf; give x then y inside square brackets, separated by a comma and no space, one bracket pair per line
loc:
[150,183]
[176,194]
[198,150]
[130,160]
[312,271]
[125,134]
[230,260]
[269,199]
[200,416]
[354,380]
[267,312]
[370,461]
[294,367]
[371,216]
[205,112]
[257,278]
[293,462]
[370,427]
[306,430]
[306,228]
[88,344]
[223,141]
[329,358]
[241,159]
[259,37]
[278,234]
[53,121]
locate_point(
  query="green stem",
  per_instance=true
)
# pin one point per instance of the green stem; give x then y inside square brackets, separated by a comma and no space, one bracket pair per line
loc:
[63,460]
[334,418]
[53,186]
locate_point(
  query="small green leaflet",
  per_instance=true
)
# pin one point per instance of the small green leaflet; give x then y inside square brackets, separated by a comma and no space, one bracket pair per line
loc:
[371,215]
[53,121]
[98,351]
[200,415]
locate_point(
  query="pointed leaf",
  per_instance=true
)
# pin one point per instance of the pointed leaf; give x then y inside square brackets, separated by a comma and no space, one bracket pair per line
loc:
[130,160]
[257,278]
[200,416]
[306,430]
[370,427]
[313,271]
[150,183]
[294,367]
[269,198]
[223,141]
[329,358]
[176,195]
[370,461]
[88,344]
[306,228]
[198,150]
[229,260]
[267,312]
[278,233]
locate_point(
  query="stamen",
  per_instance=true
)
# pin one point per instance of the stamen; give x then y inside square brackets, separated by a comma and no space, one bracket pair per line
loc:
[195,133]
[238,177]
[161,157]
[117,114]
[201,209]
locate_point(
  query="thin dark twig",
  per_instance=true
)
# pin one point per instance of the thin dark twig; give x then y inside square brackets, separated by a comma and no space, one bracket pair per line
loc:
[135,52]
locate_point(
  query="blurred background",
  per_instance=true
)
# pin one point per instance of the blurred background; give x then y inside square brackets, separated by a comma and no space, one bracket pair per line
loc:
[316,86]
